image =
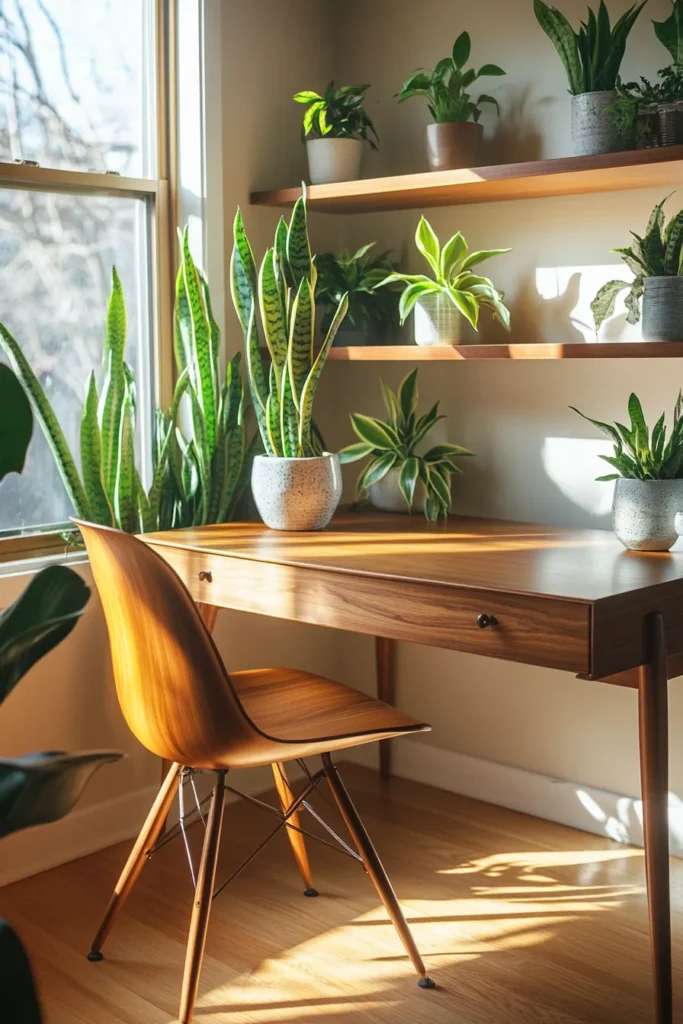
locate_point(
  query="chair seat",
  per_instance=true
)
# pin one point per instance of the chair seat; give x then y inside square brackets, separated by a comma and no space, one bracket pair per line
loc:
[299,714]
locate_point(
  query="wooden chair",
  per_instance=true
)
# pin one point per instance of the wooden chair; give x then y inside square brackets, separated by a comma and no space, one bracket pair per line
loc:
[182,705]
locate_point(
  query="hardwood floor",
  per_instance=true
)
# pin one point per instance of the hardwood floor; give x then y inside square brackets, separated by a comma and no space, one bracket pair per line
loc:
[519,921]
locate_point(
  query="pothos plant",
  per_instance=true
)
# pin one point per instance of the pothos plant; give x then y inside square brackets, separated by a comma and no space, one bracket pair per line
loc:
[338,113]
[639,456]
[393,444]
[453,277]
[196,479]
[659,253]
[593,55]
[446,87]
[282,296]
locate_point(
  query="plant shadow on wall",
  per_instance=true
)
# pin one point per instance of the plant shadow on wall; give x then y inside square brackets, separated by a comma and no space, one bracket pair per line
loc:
[515,137]
[539,317]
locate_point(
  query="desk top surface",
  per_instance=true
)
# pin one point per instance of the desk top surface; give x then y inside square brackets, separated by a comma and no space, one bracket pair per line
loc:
[487,554]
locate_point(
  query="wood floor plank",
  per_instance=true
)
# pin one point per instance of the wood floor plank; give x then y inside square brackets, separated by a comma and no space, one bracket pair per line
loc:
[520,921]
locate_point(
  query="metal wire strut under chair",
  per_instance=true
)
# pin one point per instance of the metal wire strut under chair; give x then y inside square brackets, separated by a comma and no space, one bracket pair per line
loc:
[187,820]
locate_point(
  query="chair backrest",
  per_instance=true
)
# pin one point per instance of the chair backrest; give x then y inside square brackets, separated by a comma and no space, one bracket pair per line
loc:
[174,691]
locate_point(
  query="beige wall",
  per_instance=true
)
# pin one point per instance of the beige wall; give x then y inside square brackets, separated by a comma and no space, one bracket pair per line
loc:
[535,459]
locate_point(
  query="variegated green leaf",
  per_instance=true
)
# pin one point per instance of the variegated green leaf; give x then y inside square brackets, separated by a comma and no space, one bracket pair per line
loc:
[301,330]
[163,460]
[125,506]
[298,246]
[288,419]
[272,313]
[114,388]
[273,423]
[213,326]
[202,374]
[309,388]
[233,473]
[116,326]
[182,325]
[243,276]
[53,432]
[91,459]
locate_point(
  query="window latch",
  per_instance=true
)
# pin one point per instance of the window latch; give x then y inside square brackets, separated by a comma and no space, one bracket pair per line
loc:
[27,163]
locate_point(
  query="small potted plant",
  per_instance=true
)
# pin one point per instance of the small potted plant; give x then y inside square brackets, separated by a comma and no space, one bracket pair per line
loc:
[334,129]
[372,312]
[454,139]
[296,485]
[592,58]
[440,302]
[650,114]
[395,470]
[648,495]
[657,263]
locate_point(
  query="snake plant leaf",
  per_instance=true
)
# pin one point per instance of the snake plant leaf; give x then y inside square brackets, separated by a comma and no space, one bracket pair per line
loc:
[243,276]
[285,279]
[289,422]
[16,423]
[200,444]
[638,425]
[182,325]
[217,475]
[427,243]
[670,33]
[408,477]
[602,306]
[298,246]
[114,387]
[202,375]
[273,423]
[606,428]
[163,455]
[561,34]
[40,618]
[408,395]
[125,505]
[256,372]
[374,432]
[673,239]
[145,521]
[234,393]
[272,313]
[620,33]
[300,348]
[214,329]
[39,788]
[49,424]
[354,452]
[231,481]
[91,459]
[309,388]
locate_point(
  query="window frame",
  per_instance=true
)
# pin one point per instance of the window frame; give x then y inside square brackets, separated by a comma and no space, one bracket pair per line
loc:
[161,195]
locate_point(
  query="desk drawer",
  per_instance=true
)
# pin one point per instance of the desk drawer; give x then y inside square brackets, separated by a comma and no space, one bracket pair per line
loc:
[533,630]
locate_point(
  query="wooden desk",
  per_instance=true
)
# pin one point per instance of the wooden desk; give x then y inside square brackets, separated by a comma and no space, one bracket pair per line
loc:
[565,599]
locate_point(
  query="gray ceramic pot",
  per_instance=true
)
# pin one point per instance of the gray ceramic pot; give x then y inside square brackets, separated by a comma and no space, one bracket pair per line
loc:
[644,513]
[593,127]
[663,309]
[386,494]
[296,494]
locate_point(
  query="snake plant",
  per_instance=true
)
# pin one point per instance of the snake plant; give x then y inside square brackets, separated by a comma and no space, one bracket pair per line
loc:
[659,253]
[670,32]
[453,277]
[593,55]
[281,295]
[195,480]
[393,445]
[446,87]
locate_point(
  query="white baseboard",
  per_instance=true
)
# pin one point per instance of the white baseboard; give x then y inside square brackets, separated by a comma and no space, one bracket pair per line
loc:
[583,807]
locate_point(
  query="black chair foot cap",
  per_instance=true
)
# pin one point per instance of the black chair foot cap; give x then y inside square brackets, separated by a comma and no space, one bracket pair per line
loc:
[311,892]
[426,983]
[95,958]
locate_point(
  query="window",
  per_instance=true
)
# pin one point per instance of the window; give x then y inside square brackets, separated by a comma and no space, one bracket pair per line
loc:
[84,168]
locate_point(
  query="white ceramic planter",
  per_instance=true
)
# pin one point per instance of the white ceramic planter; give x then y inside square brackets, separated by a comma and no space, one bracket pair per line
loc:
[593,127]
[645,513]
[437,321]
[386,494]
[663,309]
[296,494]
[332,160]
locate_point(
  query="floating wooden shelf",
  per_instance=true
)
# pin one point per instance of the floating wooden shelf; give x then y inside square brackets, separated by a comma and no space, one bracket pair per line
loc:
[415,353]
[609,172]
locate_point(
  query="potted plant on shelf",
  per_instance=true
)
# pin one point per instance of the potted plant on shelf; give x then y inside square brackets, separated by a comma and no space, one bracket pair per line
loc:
[657,263]
[647,514]
[395,470]
[372,312]
[334,129]
[650,114]
[454,139]
[592,58]
[440,302]
[296,485]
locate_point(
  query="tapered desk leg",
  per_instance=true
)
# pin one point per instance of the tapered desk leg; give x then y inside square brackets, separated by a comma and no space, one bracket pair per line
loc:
[654,768]
[385,659]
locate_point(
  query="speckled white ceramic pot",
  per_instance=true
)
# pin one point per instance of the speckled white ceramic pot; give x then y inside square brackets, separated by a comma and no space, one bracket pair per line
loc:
[593,126]
[296,494]
[644,514]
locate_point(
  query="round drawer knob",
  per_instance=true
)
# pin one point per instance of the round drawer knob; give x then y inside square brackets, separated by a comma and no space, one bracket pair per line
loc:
[486,620]
[205,577]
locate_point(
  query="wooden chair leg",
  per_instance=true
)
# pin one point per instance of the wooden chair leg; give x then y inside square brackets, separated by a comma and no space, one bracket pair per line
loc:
[202,901]
[296,839]
[374,868]
[149,834]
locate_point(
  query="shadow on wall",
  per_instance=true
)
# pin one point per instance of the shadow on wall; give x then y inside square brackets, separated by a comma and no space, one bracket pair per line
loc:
[516,138]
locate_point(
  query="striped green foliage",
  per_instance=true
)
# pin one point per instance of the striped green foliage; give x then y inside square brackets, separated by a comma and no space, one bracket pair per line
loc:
[195,479]
[283,294]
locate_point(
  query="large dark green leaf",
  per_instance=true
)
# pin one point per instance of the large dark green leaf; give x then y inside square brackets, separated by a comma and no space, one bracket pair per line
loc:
[16,423]
[39,788]
[40,618]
